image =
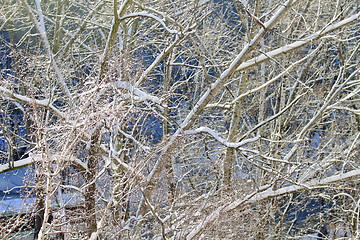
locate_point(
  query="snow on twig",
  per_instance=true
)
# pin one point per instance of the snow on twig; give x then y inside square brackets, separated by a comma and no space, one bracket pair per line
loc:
[149,15]
[220,139]
[142,96]
[120,163]
[219,105]
[142,146]
[158,60]
[21,98]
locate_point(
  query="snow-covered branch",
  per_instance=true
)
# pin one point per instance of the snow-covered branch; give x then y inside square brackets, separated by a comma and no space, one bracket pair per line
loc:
[270,193]
[17,164]
[220,139]
[21,98]
[109,155]
[219,105]
[37,158]
[355,111]
[293,46]
[158,59]
[141,95]
[149,15]
[274,79]
[40,25]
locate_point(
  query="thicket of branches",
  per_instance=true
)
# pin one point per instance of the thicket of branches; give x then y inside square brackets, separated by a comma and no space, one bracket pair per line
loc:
[183,119]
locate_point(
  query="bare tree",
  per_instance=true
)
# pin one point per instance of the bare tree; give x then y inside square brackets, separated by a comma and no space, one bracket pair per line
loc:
[183,119]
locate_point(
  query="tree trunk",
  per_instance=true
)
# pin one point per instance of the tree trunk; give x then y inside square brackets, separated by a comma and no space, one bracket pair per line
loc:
[40,202]
[90,192]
